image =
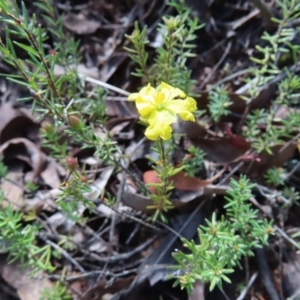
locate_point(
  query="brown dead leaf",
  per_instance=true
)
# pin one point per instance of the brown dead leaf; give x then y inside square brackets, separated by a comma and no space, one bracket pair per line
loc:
[121,127]
[26,151]
[227,150]
[136,201]
[191,129]
[42,201]
[180,181]
[281,154]
[27,288]
[51,173]
[79,24]
[101,288]
[221,149]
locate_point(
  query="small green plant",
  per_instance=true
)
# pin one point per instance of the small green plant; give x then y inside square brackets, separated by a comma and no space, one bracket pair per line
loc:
[31,187]
[193,162]
[3,169]
[261,129]
[19,240]
[178,34]
[222,243]
[275,176]
[57,292]
[219,103]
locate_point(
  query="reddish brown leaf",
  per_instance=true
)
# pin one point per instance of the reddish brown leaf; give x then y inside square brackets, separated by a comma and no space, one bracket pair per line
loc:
[180,181]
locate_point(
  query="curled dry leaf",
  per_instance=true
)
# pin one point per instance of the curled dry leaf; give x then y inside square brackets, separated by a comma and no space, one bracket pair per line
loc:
[136,201]
[51,174]
[26,151]
[20,127]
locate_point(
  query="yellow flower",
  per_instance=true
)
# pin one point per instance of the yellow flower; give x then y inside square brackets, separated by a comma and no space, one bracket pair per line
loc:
[159,108]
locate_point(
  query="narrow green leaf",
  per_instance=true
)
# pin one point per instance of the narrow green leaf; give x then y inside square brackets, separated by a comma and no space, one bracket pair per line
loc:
[24,14]
[27,48]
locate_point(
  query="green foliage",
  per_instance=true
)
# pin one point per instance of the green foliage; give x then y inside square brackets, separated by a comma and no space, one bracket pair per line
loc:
[58,292]
[278,45]
[275,176]
[219,102]
[63,98]
[3,169]
[31,187]
[292,195]
[194,162]
[223,242]
[19,240]
[177,34]
[59,98]
[73,195]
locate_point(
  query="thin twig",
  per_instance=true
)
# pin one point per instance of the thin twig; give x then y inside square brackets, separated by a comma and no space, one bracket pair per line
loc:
[232,76]
[286,237]
[105,85]
[128,216]
[92,274]
[64,253]
[245,291]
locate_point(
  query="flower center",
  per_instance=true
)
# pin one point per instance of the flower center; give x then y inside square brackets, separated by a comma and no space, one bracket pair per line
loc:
[160,107]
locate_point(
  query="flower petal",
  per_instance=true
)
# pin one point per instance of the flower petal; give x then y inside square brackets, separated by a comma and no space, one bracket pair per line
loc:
[148,91]
[159,125]
[145,105]
[133,96]
[153,132]
[170,92]
[184,108]
[145,91]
